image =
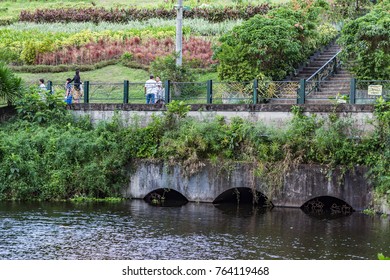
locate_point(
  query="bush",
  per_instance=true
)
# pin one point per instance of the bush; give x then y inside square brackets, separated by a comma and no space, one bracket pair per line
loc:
[46,155]
[10,85]
[272,45]
[260,45]
[327,33]
[166,68]
[41,106]
[365,43]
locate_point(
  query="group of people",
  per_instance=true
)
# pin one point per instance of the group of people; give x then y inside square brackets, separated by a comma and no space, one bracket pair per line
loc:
[73,94]
[154,90]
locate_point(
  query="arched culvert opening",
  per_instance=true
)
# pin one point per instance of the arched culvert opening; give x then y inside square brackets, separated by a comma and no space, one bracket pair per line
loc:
[165,197]
[328,207]
[243,195]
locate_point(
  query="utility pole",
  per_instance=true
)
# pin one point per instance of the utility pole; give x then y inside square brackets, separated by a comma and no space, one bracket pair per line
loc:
[179,33]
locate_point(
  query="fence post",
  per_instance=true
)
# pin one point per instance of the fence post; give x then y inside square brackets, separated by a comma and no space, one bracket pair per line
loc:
[86,91]
[352,91]
[167,86]
[50,86]
[125,91]
[255,89]
[301,92]
[335,66]
[209,92]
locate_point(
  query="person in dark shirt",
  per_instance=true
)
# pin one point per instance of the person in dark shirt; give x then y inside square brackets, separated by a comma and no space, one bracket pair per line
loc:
[76,80]
[77,86]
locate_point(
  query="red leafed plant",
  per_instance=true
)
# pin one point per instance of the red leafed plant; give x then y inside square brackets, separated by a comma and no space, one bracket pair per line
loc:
[144,51]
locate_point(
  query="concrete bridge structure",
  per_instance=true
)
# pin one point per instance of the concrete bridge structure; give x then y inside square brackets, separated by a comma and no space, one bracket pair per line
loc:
[208,183]
[211,181]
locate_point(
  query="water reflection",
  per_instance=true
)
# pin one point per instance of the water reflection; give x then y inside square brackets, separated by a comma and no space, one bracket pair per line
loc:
[327,207]
[137,230]
[241,210]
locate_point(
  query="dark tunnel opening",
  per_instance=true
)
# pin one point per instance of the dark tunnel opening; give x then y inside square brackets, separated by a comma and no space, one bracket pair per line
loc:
[243,196]
[165,197]
[327,207]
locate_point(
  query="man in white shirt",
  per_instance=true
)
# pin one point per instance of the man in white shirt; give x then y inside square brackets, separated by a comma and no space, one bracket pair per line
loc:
[42,85]
[42,89]
[150,90]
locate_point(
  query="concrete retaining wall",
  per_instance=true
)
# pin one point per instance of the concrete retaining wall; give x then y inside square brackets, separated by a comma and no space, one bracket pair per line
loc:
[269,114]
[300,185]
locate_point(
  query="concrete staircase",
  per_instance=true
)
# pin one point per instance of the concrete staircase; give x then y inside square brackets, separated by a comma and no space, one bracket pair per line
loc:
[316,62]
[339,83]
[327,89]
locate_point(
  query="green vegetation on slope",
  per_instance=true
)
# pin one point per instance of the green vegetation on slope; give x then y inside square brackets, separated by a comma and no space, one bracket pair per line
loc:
[46,154]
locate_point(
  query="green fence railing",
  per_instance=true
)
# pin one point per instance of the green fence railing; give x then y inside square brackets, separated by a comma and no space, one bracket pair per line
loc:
[212,92]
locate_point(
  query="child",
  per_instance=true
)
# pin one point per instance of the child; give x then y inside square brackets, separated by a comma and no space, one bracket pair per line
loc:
[68,91]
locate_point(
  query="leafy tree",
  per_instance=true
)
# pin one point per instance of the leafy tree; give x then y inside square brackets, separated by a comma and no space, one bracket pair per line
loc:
[261,44]
[272,44]
[41,107]
[10,85]
[344,9]
[366,44]
[166,68]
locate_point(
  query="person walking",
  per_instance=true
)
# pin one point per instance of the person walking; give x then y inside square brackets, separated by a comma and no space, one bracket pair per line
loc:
[160,91]
[68,91]
[77,86]
[150,90]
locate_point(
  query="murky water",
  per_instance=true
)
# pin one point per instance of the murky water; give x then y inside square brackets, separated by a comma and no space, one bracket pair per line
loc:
[136,230]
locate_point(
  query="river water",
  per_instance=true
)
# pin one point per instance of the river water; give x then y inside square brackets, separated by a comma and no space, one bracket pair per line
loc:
[137,230]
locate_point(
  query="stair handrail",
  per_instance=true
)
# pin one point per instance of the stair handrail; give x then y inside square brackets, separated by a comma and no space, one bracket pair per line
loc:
[329,68]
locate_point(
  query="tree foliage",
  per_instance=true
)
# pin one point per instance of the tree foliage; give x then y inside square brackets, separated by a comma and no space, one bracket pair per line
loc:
[165,67]
[10,85]
[272,44]
[366,44]
[345,9]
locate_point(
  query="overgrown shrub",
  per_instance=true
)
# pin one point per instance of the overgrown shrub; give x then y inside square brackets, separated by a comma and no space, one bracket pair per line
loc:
[10,85]
[350,9]
[166,68]
[46,154]
[365,42]
[272,45]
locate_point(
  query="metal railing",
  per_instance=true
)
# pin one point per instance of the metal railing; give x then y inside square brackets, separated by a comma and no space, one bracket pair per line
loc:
[366,92]
[194,93]
[313,83]
[232,93]
[292,92]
